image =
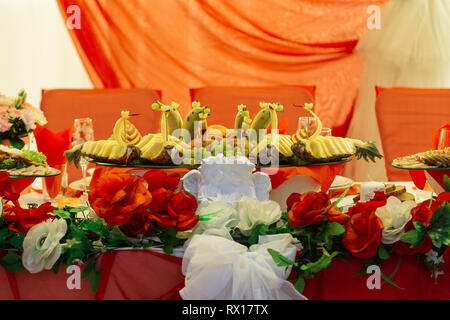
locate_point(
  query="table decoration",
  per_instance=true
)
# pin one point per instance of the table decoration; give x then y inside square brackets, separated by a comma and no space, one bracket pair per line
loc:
[220,213]
[18,119]
[186,142]
[162,216]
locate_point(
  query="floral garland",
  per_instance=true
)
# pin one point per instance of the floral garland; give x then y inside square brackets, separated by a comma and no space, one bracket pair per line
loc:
[18,118]
[371,231]
[140,212]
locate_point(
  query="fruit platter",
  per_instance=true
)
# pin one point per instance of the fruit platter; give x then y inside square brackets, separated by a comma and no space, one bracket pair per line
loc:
[183,143]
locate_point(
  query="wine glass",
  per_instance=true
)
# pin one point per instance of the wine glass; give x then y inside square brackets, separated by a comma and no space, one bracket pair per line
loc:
[326,132]
[306,126]
[83,131]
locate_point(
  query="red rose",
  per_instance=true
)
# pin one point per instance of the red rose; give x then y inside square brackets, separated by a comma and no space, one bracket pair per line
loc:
[140,223]
[180,213]
[293,199]
[116,196]
[422,213]
[312,208]
[363,231]
[160,200]
[24,219]
[158,179]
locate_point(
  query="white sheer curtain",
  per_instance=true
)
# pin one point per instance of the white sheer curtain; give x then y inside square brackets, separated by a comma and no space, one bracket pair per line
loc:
[36,50]
[412,49]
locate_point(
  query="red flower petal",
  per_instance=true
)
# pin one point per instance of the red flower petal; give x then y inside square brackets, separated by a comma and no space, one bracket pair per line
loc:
[155,179]
[292,199]
[172,181]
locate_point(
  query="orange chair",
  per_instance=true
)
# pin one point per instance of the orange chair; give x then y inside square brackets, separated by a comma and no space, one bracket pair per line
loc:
[407,117]
[103,106]
[223,101]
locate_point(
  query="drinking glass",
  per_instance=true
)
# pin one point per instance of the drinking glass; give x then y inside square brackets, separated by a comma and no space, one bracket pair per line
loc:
[326,132]
[444,139]
[83,131]
[306,126]
[55,187]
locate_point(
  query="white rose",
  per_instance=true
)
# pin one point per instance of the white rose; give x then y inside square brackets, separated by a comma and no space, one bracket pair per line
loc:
[41,247]
[217,215]
[38,115]
[394,216]
[254,212]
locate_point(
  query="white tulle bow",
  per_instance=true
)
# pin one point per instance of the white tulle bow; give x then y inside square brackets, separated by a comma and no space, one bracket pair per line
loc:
[219,268]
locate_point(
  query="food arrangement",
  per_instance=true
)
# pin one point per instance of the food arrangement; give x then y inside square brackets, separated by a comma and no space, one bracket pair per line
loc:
[24,162]
[397,191]
[425,160]
[187,141]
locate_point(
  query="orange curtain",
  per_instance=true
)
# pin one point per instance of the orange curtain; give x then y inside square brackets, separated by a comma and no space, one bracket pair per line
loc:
[174,45]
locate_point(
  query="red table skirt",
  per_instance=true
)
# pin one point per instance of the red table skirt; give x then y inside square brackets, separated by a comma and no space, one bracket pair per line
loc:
[143,274]
[127,274]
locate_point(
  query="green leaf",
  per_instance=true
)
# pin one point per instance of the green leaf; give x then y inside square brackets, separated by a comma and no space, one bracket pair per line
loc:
[299,284]
[446,183]
[17,143]
[414,237]
[419,226]
[76,209]
[323,262]
[16,240]
[388,279]
[169,239]
[383,253]
[12,262]
[55,267]
[439,228]
[97,227]
[61,213]
[260,229]
[90,267]
[342,196]
[335,229]
[439,214]
[94,280]
[280,260]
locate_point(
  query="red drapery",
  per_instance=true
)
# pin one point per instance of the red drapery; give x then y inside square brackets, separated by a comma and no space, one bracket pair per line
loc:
[174,45]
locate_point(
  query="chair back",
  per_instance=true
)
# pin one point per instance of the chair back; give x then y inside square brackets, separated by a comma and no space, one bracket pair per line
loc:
[223,102]
[103,106]
[407,117]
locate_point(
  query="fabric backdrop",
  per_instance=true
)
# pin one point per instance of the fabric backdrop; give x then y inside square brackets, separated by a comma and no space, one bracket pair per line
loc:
[174,45]
[412,49]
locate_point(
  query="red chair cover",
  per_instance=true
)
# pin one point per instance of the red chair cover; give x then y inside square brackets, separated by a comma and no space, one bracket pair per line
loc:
[406,118]
[223,102]
[103,106]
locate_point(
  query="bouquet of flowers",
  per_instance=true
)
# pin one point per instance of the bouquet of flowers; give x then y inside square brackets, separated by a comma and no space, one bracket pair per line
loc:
[18,118]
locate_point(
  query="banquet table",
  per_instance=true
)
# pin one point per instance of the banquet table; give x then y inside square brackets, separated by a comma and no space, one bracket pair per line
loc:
[129,273]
